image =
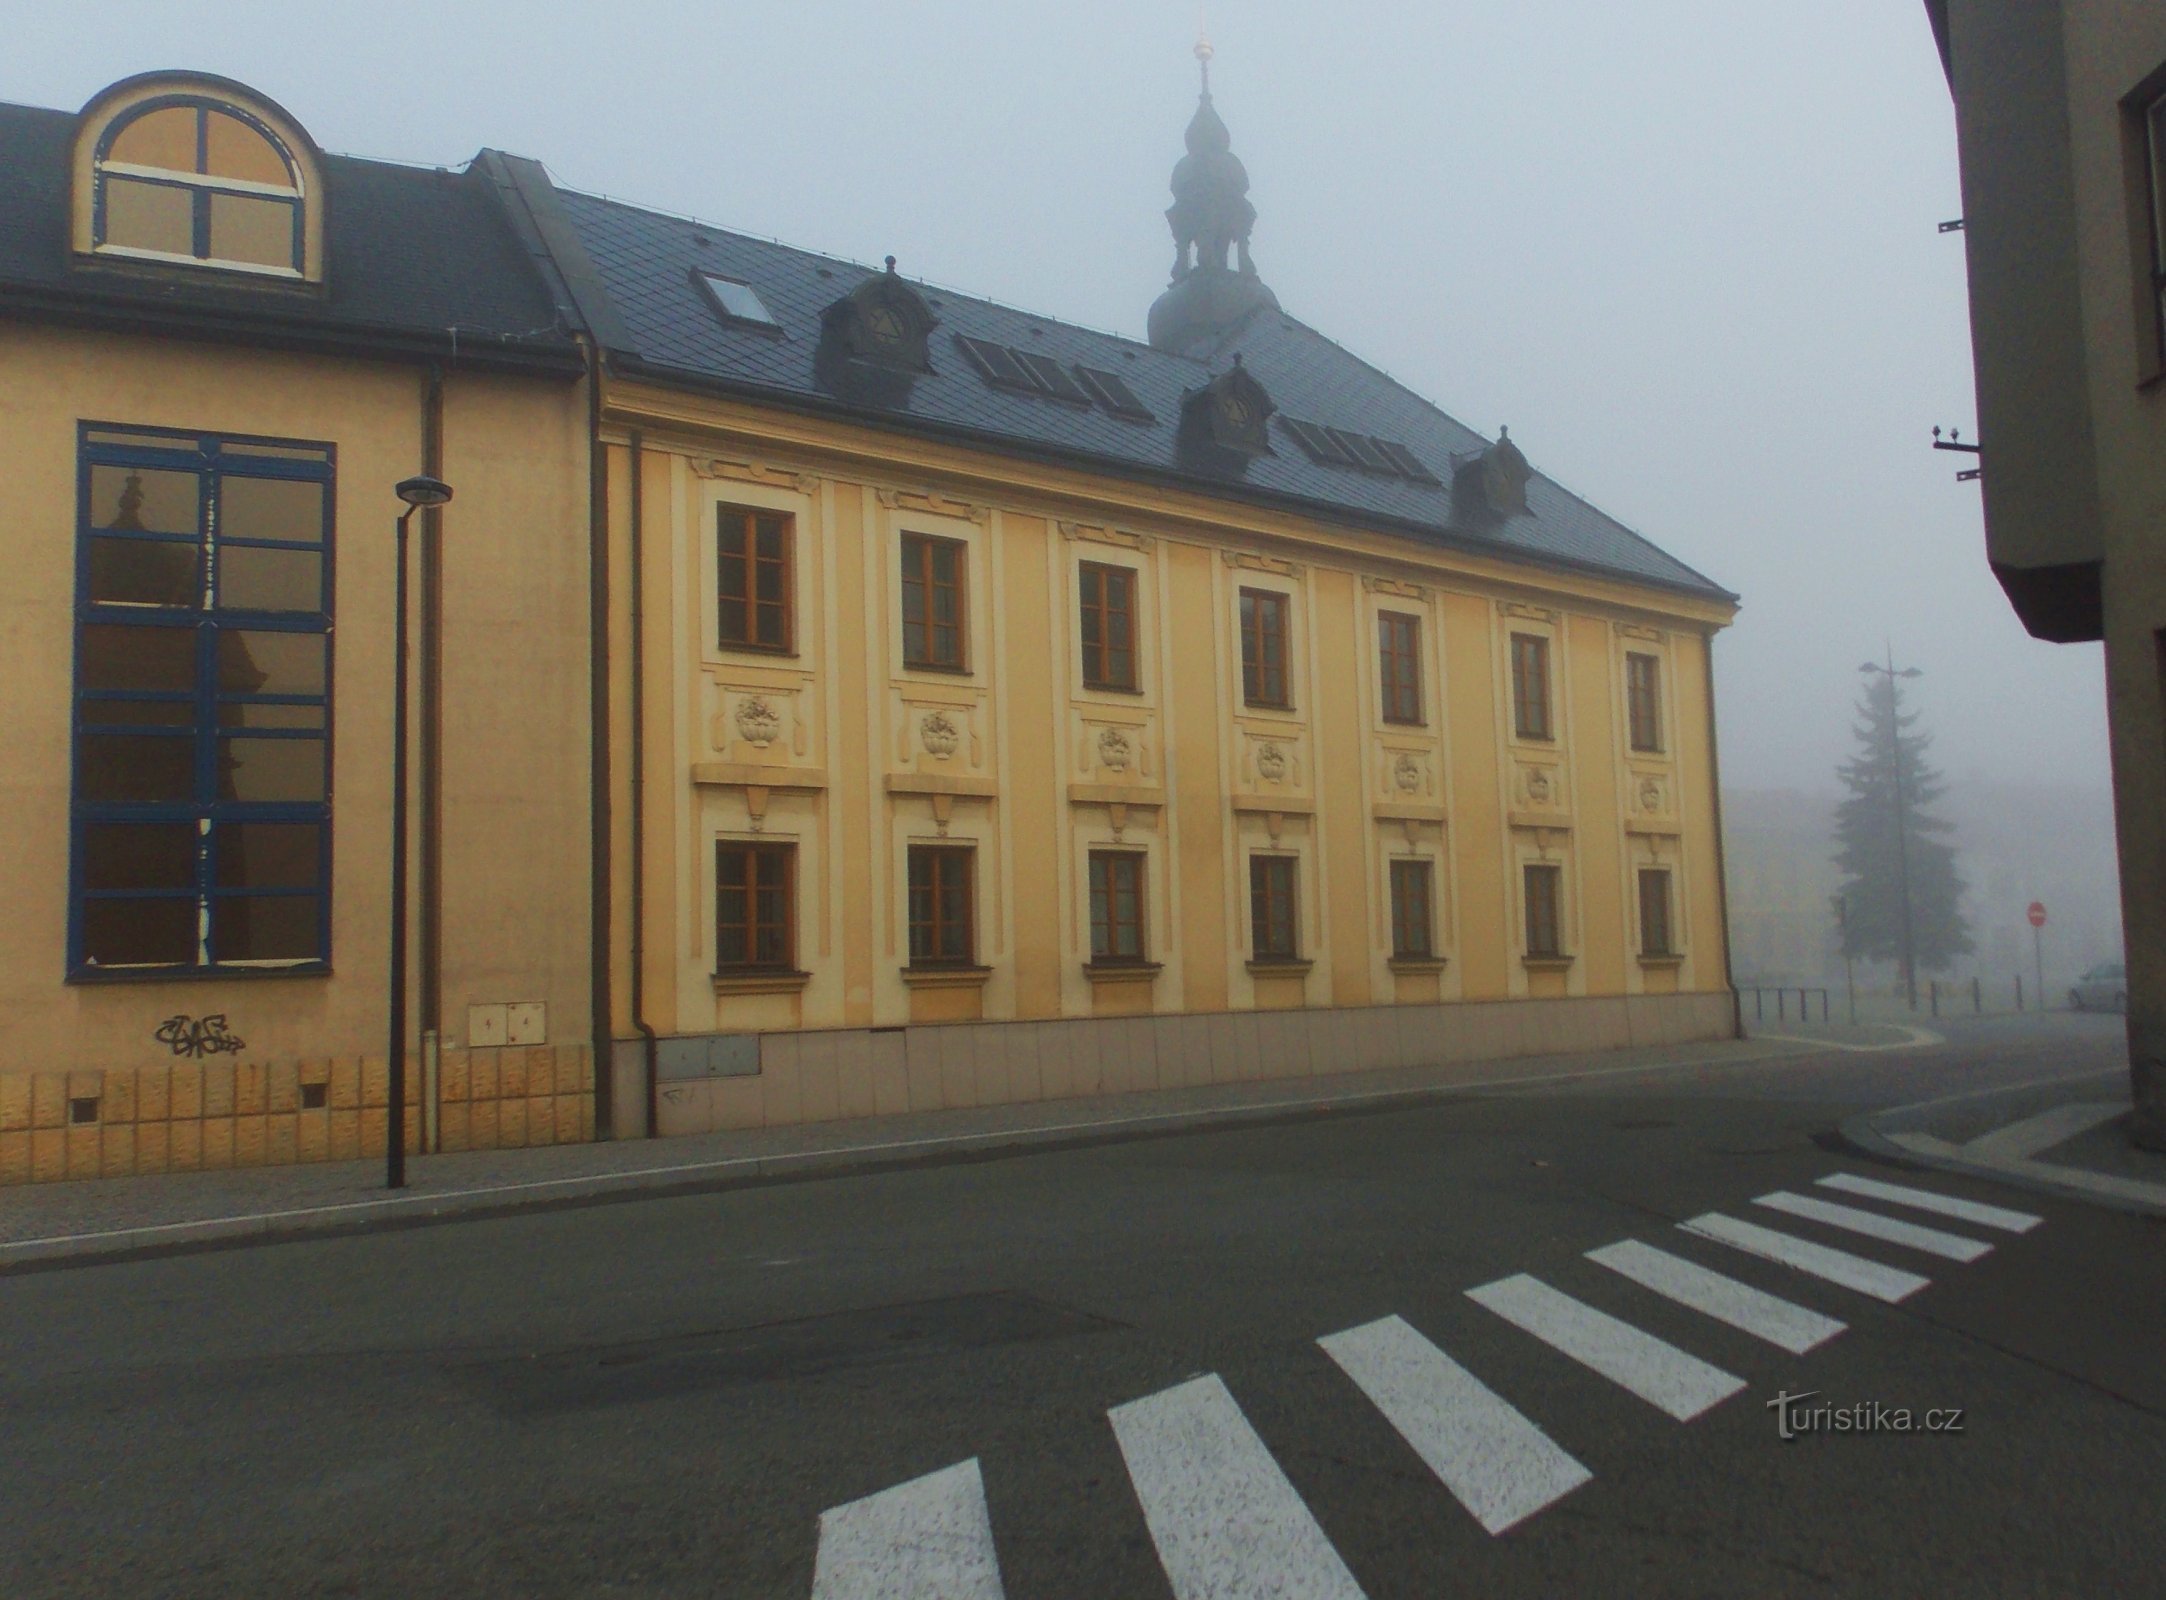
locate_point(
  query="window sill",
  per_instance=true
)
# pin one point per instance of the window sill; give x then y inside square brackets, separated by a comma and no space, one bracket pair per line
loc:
[1675,958]
[950,977]
[1280,966]
[935,666]
[755,980]
[1122,971]
[1113,688]
[313,969]
[1416,966]
[1546,963]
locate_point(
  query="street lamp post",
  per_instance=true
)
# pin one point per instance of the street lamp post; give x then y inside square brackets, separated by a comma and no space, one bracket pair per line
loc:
[1902,815]
[417,492]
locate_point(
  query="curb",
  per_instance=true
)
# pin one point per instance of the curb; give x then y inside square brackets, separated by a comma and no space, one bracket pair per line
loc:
[414,1210]
[1863,1133]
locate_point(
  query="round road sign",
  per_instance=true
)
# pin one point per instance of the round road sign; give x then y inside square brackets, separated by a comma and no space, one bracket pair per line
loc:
[2038,914]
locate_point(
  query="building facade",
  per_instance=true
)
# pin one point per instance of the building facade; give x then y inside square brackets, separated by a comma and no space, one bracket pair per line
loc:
[2061,125]
[841,696]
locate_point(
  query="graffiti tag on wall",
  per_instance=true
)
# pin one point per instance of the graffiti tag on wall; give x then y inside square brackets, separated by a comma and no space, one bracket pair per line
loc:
[199,1036]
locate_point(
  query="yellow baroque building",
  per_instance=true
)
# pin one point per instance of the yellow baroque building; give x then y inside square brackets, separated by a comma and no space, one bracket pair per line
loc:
[832,695]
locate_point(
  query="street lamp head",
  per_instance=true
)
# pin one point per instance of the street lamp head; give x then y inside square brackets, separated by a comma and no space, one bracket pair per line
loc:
[1911,672]
[424,491]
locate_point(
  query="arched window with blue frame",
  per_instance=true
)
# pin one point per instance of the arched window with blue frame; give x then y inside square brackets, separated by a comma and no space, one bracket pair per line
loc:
[189,178]
[202,772]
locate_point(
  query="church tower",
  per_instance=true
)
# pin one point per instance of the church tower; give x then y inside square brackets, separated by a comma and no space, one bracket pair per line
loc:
[1211,217]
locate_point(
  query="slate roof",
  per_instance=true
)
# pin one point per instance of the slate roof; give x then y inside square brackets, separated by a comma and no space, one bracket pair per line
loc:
[664,325]
[417,260]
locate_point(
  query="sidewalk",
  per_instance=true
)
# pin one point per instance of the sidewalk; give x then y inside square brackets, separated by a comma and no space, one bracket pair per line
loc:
[63,1223]
[2065,1136]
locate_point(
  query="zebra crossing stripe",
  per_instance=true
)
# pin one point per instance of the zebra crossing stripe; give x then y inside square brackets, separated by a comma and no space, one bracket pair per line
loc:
[1944,1205]
[1764,1316]
[1226,1522]
[928,1539]
[1951,1246]
[1658,1372]
[1495,1462]
[1836,1266]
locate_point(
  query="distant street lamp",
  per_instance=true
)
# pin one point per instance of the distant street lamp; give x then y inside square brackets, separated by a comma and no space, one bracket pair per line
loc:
[417,492]
[1902,814]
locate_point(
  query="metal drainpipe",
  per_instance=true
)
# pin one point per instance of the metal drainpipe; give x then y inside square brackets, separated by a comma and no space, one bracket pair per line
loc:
[600,888]
[431,929]
[1722,865]
[648,1040]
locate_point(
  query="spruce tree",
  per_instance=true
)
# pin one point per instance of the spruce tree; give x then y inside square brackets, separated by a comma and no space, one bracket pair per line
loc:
[1886,834]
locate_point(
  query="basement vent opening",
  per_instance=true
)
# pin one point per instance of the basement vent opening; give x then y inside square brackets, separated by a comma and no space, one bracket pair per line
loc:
[84,1109]
[315,1096]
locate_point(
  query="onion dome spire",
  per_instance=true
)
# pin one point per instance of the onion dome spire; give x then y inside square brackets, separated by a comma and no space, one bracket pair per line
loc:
[1211,218]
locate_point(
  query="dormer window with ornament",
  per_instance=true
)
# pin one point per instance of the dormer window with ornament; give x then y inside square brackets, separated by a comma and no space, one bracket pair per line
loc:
[1230,413]
[182,169]
[883,322]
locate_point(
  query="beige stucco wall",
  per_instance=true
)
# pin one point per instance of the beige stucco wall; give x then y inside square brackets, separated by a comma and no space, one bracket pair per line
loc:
[831,748]
[515,671]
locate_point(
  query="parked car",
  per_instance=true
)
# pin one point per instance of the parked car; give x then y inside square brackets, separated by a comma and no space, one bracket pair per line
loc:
[2103,988]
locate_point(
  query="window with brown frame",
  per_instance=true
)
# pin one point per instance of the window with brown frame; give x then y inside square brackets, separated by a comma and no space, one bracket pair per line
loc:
[753,575]
[1655,912]
[2153,113]
[1109,625]
[1643,705]
[1263,648]
[1412,921]
[1544,887]
[1398,650]
[934,593]
[1274,924]
[1118,909]
[1530,686]
[755,894]
[943,930]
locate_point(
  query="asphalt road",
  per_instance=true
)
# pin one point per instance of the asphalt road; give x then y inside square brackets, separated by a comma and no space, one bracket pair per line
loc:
[661,1397]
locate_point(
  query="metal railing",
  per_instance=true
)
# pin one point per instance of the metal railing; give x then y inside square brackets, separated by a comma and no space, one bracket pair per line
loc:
[1782,1001]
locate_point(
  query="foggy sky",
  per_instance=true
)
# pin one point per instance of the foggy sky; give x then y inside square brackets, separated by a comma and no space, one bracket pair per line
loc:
[1687,251]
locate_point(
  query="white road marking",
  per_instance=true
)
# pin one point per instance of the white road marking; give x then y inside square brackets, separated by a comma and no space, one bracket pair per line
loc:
[1925,1200]
[1764,1316]
[2019,1141]
[1912,1040]
[1496,1463]
[1837,1266]
[928,1539]
[1226,1522]
[1950,1246]
[1658,1372]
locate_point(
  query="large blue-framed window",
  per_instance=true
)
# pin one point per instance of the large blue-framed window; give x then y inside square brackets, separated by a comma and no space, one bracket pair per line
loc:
[202,799]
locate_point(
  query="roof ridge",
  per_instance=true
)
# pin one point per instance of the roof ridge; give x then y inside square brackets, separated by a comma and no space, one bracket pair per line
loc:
[772,242]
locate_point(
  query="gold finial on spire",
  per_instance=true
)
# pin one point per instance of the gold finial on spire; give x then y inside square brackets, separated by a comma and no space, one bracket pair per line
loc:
[1204,52]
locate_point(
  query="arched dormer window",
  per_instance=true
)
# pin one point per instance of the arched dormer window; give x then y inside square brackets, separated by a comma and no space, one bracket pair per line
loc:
[193,170]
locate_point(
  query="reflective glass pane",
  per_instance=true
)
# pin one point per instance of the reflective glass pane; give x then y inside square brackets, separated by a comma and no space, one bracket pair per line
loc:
[144,500]
[140,441]
[135,769]
[770,581]
[271,770]
[251,578]
[274,452]
[268,855]
[137,713]
[252,661]
[149,216]
[139,855]
[249,228]
[246,714]
[270,508]
[139,933]
[237,150]
[265,928]
[145,572]
[734,626]
[112,655]
[770,546]
[162,138]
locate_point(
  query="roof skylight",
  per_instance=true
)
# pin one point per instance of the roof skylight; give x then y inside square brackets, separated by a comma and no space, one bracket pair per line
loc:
[1342,447]
[737,300]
